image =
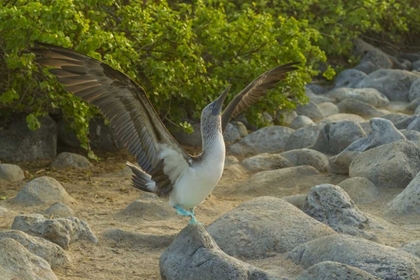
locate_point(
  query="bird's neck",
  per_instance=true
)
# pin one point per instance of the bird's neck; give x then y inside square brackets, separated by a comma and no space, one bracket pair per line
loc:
[212,138]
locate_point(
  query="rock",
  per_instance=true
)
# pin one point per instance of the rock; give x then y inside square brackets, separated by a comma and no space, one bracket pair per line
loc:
[269,139]
[10,173]
[16,262]
[414,91]
[263,226]
[348,78]
[280,182]
[303,137]
[288,116]
[416,65]
[331,205]
[128,239]
[101,136]
[343,117]
[59,210]
[412,136]
[184,138]
[235,131]
[67,160]
[415,124]
[414,104]
[382,132]
[396,118]
[408,201]
[373,60]
[381,261]
[19,143]
[296,200]
[52,253]
[328,108]
[300,121]
[307,157]
[335,137]
[394,84]
[316,88]
[340,163]
[230,160]
[367,95]
[353,106]
[360,189]
[404,122]
[194,255]
[335,271]
[311,110]
[149,207]
[265,161]
[61,231]
[412,247]
[3,211]
[42,190]
[317,99]
[410,56]
[391,165]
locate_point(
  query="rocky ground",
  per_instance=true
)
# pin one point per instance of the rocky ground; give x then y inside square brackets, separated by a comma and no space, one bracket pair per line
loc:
[334,194]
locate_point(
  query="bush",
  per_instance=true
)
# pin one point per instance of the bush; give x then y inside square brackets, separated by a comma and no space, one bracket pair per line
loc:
[182,54]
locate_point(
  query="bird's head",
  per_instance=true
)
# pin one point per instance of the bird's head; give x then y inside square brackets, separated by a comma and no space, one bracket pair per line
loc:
[215,108]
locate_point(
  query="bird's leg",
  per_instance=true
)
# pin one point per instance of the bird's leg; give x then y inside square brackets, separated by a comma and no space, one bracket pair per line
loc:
[192,210]
[181,211]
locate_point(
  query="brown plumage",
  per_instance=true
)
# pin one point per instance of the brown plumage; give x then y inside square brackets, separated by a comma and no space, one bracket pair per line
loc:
[130,113]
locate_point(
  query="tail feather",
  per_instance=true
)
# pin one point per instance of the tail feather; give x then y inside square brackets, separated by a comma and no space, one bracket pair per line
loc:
[141,180]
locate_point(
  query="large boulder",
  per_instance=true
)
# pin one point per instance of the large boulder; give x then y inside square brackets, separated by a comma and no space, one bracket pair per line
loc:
[348,78]
[307,157]
[263,226]
[311,110]
[391,165]
[263,162]
[353,106]
[19,143]
[303,137]
[269,139]
[414,91]
[42,190]
[360,190]
[335,271]
[394,84]
[70,160]
[381,261]
[367,95]
[16,262]
[195,255]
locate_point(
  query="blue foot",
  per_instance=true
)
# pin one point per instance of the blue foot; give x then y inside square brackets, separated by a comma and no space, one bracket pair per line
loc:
[181,211]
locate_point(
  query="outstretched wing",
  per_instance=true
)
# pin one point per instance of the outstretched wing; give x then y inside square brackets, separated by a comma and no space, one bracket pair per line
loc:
[255,91]
[123,102]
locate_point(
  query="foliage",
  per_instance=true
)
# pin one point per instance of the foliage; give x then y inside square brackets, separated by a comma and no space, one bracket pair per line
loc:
[182,54]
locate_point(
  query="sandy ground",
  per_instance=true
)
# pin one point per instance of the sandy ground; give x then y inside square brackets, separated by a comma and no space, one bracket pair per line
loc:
[99,201]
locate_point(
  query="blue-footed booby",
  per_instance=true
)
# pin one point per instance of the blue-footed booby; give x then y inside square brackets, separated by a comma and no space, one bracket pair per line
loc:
[165,168]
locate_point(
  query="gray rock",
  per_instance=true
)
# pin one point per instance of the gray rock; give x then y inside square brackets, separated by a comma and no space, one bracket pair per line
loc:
[288,116]
[394,84]
[407,202]
[149,207]
[373,60]
[42,190]
[303,137]
[307,157]
[414,124]
[416,65]
[348,78]
[414,91]
[412,135]
[300,121]
[396,118]
[263,226]
[280,182]
[317,88]
[19,143]
[328,108]
[128,239]
[343,117]
[194,255]
[49,251]
[381,261]
[417,111]
[410,56]
[61,231]
[367,95]
[391,165]
[360,189]
[16,262]
[230,160]
[335,137]
[269,139]
[353,106]
[10,173]
[59,210]
[296,200]
[235,131]
[340,163]
[382,132]
[412,247]
[331,205]
[311,110]
[414,104]
[265,161]
[335,271]
[404,122]
[317,99]
[70,160]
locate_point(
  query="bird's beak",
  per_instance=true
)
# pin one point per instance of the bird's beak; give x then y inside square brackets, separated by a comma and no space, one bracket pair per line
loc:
[218,103]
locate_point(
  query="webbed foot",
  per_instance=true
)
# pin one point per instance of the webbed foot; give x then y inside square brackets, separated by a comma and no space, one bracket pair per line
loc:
[181,211]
